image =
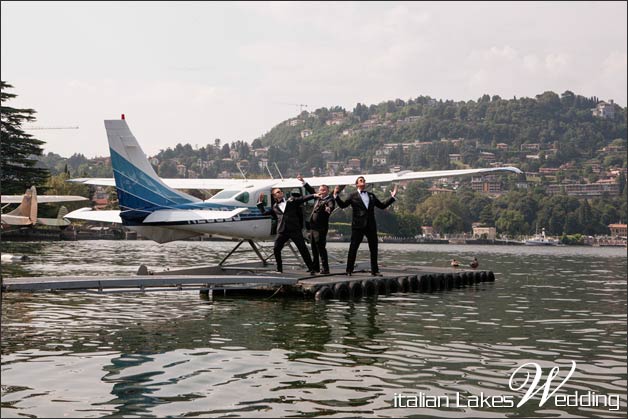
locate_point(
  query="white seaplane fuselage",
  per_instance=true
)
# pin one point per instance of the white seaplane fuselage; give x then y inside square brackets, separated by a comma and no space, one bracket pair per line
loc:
[242,218]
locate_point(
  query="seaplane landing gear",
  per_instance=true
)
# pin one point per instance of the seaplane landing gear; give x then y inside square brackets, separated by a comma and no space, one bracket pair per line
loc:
[256,248]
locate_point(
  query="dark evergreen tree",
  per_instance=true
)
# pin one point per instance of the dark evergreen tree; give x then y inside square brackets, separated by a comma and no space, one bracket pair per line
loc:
[18,150]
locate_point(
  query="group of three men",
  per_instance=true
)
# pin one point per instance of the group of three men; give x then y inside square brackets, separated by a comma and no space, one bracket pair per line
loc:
[289,215]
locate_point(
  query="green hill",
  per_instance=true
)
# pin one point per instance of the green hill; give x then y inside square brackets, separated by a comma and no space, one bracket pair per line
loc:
[564,128]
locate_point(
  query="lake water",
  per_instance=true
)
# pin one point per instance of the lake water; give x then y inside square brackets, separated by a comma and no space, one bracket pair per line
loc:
[442,354]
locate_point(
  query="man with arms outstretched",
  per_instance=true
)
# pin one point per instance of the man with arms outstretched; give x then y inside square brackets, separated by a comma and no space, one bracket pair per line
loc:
[363,204]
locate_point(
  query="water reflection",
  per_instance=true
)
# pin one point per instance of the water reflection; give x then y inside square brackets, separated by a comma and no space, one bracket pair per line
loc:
[175,354]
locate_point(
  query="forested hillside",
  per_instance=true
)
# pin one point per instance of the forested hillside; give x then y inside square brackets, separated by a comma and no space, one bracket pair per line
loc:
[563,126]
[572,148]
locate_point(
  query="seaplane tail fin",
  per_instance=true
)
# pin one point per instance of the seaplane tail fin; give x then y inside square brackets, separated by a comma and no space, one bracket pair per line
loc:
[140,190]
[63,211]
[60,221]
[26,212]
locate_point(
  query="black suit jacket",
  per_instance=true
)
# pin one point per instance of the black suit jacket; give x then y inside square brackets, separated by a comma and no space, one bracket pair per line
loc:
[291,220]
[363,217]
[323,207]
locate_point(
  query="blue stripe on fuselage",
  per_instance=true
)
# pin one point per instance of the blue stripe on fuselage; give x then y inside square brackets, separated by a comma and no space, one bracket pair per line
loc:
[140,194]
[138,190]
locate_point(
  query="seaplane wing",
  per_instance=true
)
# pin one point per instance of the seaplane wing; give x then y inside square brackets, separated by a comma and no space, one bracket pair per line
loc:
[48,199]
[42,199]
[87,214]
[313,181]
[187,183]
[389,177]
[15,220]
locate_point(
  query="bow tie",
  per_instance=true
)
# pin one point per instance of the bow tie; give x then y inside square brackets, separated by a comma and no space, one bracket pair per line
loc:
[363,192]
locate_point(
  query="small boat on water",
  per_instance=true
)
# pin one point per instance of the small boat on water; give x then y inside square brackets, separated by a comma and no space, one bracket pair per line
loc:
[541,240]
[9,258]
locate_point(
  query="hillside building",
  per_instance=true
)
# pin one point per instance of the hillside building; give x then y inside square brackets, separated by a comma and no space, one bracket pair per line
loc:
[618,230]
[604,110]
[584,189]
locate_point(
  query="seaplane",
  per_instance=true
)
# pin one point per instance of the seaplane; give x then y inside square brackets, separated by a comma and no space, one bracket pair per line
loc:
[157,209]
[25,215]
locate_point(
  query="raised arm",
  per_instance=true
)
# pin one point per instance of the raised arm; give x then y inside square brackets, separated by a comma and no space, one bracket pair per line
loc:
[301,199]
[388,202]
[260,206]
[306,185]
[339,201]
[382,205]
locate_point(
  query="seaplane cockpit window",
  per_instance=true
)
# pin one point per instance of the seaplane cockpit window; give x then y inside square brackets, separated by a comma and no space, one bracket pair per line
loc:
[243,197]
[224,194]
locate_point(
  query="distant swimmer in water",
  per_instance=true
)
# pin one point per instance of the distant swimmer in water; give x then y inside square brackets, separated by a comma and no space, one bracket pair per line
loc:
[454,263]
[474,263]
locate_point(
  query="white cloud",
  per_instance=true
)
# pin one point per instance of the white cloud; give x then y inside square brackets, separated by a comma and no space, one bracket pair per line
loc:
[532,63]
[557,63]
[615,64]
[198,71]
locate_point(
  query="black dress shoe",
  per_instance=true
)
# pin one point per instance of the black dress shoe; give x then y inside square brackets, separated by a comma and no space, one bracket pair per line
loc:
[348,273]
[376,274]
[312,272]
[324,272]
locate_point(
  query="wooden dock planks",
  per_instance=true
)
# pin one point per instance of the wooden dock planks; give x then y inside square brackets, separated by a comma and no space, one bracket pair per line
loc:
[254,277]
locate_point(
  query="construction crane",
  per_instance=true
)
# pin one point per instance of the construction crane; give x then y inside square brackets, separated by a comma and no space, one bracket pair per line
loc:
[300,105]
[34,128]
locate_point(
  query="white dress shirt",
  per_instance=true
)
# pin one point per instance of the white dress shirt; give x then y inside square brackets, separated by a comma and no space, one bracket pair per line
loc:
[365,198]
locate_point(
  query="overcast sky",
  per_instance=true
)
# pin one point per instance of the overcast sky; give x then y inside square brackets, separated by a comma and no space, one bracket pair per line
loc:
[194,72]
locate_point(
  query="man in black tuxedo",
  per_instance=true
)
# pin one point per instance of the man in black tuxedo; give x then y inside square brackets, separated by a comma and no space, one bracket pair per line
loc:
[363,204]
[289,215]
[319,225]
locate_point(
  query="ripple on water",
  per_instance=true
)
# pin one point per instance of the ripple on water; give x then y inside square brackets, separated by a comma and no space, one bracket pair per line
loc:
[175,354]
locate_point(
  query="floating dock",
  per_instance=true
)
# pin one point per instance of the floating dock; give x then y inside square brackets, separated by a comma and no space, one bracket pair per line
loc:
[255,278]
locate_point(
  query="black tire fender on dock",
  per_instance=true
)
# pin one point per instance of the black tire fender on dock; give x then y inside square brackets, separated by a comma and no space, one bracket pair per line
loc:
[440,280]
[414,283]
[382,286]
[368,287]
[355,289]
[449,281]
[393,285]
[323,293]
[491,276]
[477,277]
[466,278]
[437,282]
[403,283]
[430,281]
[423,283]
[341,291]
